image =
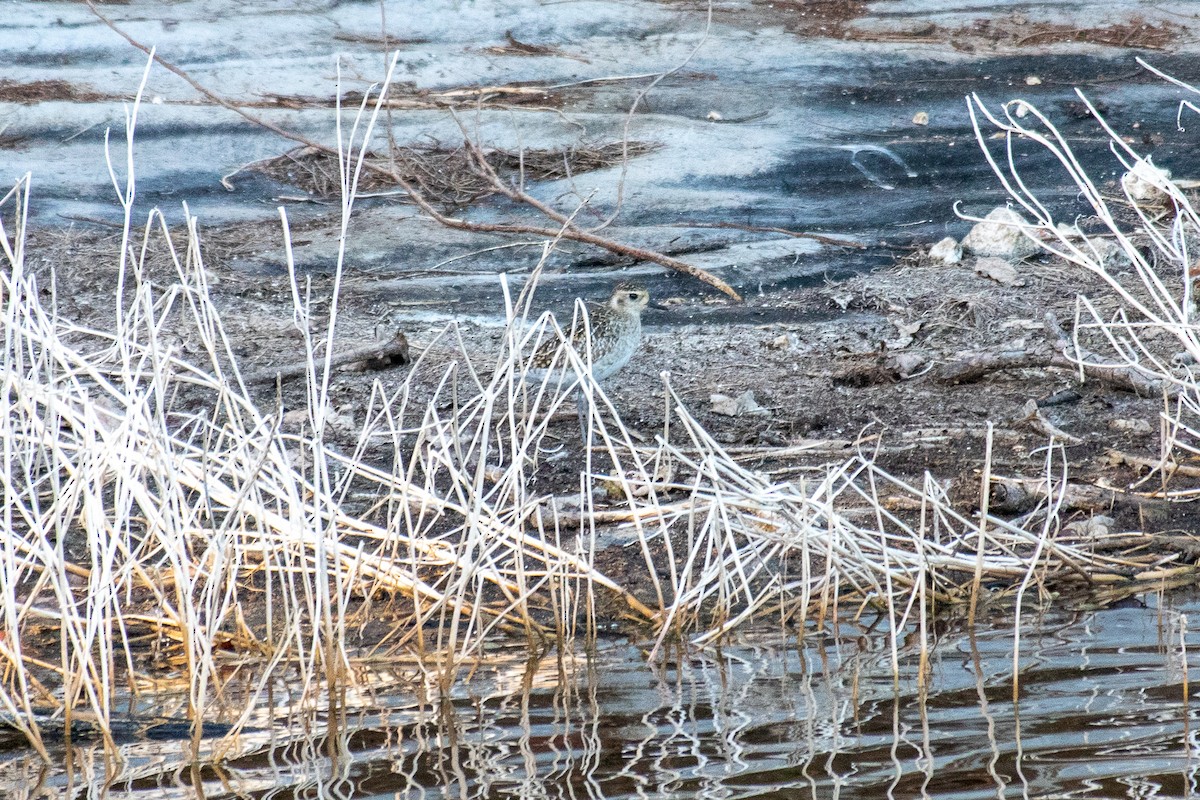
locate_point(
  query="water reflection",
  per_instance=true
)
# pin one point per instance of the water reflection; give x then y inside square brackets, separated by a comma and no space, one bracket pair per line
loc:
[1101,713]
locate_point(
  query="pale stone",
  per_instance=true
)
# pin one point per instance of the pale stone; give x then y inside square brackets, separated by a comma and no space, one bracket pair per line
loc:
[947,251]
[1000,235]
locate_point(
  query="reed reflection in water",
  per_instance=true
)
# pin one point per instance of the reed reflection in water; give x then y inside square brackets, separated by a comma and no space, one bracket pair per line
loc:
[1101,713]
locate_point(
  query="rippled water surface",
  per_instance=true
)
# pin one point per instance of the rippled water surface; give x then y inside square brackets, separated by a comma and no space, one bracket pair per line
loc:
[1101,713]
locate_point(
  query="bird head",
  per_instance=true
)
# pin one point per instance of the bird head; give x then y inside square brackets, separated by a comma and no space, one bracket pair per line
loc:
[629,298]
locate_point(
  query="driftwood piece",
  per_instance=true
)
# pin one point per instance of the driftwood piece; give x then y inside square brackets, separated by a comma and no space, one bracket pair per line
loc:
[1019,495]
[1166,466]
[377,355]
[975,366]
[1139,381]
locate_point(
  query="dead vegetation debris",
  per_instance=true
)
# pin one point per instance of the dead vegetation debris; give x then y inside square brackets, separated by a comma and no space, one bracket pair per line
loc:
[564,228]
[823,18]
[45,91]
[515,47]
[1136,33]
[380,40]
[407,96]
[1018,31]
[832,19]
[447,175]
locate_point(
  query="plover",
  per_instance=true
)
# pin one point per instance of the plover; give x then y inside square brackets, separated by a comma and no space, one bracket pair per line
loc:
[616,332]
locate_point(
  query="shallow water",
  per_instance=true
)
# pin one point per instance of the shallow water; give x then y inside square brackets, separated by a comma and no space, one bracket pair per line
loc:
[1101,713]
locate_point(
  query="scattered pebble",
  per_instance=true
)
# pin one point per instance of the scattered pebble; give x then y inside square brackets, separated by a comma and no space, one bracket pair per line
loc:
[1033,80]
[1144,183]
[1140,426]
[1000,235]
[947,251]
[744,403]
[999,270]
[1098,525]
[921,118]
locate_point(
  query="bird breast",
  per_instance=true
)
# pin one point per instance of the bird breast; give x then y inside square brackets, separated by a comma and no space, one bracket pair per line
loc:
[615,346]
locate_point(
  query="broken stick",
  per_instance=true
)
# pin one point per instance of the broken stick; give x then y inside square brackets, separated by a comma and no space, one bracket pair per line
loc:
[386,353]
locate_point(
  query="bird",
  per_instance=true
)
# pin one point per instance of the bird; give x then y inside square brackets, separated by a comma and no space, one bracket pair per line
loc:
[616,333]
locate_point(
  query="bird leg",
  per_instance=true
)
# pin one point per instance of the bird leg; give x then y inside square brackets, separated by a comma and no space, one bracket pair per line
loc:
[581,407]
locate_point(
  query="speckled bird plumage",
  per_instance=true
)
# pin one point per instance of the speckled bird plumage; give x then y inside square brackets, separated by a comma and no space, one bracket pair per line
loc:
[616,329]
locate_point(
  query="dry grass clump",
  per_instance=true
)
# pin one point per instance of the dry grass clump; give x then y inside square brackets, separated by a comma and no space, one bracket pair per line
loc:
[160,523]
[1137,32]
[1141,318]
[47,90]
[449,176]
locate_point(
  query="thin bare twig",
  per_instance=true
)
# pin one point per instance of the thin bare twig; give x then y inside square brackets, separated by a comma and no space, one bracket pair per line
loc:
[832,241]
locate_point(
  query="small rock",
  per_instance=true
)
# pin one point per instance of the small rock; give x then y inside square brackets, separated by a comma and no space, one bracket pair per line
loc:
[1141,426]
[1109,252]
[744,403]
[921,118]
[1068,232]
[999,270]
[1000,234]
[908,364]
[906,331]
[1098,525]
[1033,80]
[781,342]
[947,251]
[1146,183]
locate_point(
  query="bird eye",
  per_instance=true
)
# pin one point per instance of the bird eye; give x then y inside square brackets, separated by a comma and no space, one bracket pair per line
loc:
[633,296]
